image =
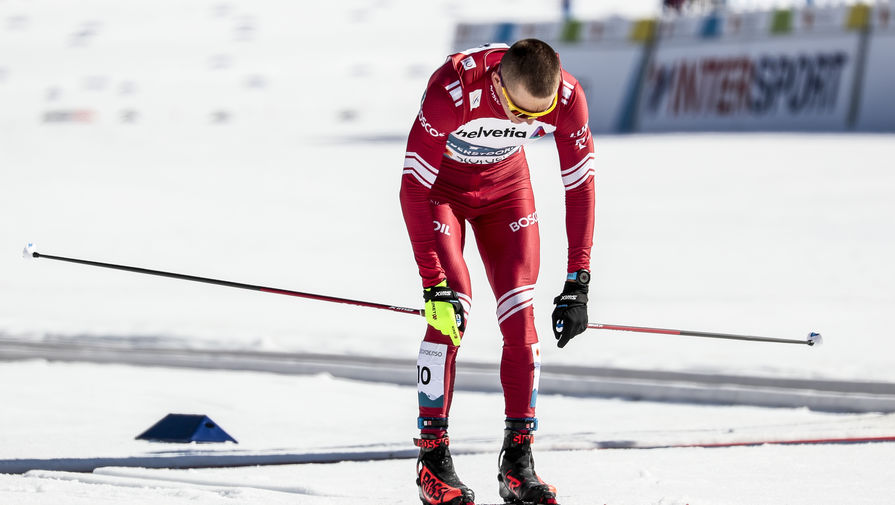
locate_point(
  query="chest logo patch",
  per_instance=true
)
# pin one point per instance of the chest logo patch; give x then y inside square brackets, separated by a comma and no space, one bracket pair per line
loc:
[475,99]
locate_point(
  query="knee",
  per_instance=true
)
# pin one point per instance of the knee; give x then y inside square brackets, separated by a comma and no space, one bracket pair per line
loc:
[519,329]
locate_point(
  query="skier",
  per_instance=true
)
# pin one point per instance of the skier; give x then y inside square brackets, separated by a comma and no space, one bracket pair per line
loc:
[465,162]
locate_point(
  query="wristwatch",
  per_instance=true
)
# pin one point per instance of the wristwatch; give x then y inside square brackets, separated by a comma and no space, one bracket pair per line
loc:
[581,277]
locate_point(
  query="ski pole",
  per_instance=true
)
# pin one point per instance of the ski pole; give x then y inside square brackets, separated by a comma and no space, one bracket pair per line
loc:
[814,338]
[31,253]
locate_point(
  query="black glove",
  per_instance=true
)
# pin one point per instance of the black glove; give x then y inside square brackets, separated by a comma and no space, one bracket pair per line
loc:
[570,314]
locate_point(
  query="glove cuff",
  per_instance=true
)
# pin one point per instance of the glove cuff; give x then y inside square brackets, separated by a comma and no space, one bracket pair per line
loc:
[439,293]
[574,298]
[571,286]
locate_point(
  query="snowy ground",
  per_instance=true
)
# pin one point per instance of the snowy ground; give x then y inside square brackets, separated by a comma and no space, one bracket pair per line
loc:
[78,411]
[236,168]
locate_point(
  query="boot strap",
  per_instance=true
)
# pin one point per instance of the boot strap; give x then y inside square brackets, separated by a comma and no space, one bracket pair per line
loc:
[432,443]
[523,424]
[438,423]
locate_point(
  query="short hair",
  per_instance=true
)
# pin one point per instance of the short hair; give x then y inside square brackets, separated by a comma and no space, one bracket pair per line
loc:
[533,63]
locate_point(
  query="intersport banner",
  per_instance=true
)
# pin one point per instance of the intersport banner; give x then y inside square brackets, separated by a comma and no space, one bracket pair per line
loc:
[780,83]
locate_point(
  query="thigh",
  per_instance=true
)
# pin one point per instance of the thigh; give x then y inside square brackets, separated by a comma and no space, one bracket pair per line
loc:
[509,244]
[450,239]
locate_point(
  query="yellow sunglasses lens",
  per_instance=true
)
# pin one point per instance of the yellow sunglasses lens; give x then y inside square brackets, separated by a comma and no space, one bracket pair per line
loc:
[524,114]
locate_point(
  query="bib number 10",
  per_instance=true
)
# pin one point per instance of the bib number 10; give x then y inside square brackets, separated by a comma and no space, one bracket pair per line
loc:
[423,374]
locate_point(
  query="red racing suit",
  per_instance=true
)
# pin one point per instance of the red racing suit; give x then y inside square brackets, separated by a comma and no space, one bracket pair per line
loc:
[465,163]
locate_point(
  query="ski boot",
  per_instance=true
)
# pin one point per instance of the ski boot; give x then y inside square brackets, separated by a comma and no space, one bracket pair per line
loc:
[517,481]
[436,479]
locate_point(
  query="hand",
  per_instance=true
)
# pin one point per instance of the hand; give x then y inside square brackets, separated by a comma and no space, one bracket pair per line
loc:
[444,311]
[570,315]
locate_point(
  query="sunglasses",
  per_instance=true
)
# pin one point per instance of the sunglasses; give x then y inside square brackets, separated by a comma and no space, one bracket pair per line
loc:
[519,112]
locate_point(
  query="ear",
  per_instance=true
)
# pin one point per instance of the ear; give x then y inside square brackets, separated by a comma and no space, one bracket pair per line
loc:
[495,79]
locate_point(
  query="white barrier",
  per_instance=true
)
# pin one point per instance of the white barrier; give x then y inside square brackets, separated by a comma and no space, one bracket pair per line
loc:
[607,75]
[877,111]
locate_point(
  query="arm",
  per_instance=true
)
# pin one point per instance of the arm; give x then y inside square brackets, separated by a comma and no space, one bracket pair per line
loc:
[576,156]
[438,116]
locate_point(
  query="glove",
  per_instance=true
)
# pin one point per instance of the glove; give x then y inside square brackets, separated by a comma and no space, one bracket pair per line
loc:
[444,311]
[570,315]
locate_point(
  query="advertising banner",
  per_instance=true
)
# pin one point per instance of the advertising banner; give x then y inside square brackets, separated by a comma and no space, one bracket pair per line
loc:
[783,82]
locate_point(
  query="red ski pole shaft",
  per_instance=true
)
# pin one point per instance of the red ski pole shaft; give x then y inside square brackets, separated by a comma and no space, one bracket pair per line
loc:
[231,284]
[813,338]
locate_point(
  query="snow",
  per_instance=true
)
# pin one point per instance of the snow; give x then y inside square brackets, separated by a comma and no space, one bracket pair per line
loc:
[96,411]
[232,166]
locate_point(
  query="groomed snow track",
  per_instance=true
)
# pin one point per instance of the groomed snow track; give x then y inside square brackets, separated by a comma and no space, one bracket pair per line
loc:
[226,458]
[665,386]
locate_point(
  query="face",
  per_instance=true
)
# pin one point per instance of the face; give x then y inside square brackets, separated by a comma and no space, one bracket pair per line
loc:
[515,100]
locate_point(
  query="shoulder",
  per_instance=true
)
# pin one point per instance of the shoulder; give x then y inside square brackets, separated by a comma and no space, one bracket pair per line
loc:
[572,110]
[473,64]
[464,70]
[467,68]
[569,89]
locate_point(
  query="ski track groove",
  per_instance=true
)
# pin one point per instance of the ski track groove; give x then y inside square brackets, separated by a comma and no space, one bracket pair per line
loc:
[125,479]
[650,385]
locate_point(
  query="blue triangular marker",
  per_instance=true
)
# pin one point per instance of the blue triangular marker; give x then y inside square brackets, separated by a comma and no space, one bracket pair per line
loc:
[185,428]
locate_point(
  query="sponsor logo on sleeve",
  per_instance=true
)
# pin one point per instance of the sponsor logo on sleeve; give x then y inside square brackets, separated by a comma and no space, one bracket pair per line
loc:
[428,127]
[581,137]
